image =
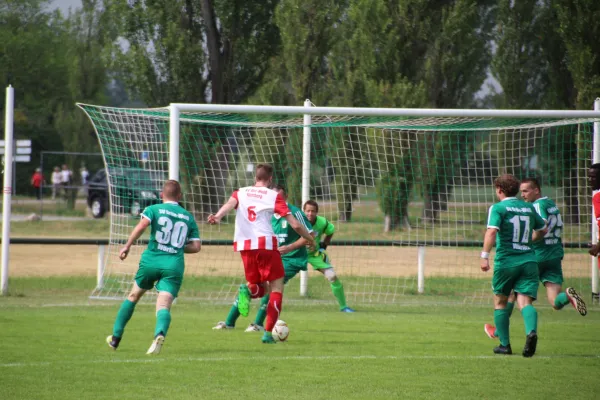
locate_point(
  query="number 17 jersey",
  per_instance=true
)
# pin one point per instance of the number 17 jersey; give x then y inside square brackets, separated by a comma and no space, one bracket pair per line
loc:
[515,221]
[171,228]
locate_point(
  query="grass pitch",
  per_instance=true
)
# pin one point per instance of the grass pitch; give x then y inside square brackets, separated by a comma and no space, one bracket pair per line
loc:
[54,349]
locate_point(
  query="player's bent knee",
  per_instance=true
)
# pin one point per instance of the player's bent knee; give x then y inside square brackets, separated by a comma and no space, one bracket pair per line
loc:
[330,275]
[164,301]
[135,296]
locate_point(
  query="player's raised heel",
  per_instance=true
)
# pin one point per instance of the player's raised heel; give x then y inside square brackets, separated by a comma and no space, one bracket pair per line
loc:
[254,328]
[576,301]
[506,350]
[222,325]
[530,344]
[244,300]
[156,345]
[347,310]
[490,331]
[113,342]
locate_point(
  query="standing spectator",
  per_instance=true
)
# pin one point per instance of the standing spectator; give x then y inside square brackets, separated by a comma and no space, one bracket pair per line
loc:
[85,177]
[56,181]
[36,182]
[65,179]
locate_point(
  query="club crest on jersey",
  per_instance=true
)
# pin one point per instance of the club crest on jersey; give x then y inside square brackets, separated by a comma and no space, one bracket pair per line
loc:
[284,224]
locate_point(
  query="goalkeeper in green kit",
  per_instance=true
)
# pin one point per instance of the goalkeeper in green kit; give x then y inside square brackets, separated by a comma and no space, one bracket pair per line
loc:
[319,259]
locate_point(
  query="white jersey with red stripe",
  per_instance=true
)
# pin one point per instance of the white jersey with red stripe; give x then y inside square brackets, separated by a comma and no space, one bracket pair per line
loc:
[596,206]
[255,208]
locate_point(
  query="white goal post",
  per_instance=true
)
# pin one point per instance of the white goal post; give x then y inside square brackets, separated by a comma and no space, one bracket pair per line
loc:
[307,112]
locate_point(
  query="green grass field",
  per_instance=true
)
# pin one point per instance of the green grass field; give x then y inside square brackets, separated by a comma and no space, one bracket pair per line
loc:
[53,348]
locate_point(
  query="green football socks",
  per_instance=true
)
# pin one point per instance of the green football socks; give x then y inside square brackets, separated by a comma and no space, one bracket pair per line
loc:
[561,300]
[502,322]
[338,291]
[233,315]
[163,320]
[123,316]
[530,317]
[261,315]
[509,307]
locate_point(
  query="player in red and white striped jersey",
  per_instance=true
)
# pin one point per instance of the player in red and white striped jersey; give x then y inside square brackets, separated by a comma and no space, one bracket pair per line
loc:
[594,182]
[255,240]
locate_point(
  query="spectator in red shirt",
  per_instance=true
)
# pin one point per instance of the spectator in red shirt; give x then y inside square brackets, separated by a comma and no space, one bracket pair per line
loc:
[36,182]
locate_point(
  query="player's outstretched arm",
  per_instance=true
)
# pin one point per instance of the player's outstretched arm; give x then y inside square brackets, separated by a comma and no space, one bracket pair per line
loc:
[301,230]
[135,235]
[230,205]
[293,246]
[488,242]
[194,246]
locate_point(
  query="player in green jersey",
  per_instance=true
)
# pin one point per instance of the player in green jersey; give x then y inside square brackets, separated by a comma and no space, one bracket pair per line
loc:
[549,252]
[294,255]
[513,224]
[319,259]
[173,231]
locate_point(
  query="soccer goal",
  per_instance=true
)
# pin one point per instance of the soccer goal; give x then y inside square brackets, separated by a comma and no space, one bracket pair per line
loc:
[408,190]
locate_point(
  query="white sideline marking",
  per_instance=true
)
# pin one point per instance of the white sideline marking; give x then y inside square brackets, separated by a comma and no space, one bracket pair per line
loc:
[287,358]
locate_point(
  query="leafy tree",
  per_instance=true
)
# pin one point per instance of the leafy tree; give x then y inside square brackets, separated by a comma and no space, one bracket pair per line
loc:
[31,49]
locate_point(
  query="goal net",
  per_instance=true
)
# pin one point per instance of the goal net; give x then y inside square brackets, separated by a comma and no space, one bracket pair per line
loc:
[408,195]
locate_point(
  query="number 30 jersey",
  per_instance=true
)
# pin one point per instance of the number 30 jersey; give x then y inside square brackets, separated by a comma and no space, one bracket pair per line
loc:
[550,247]
[515,221]
[255,208]
[171,228]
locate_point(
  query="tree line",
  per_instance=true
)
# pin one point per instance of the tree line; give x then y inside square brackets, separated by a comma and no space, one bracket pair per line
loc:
[362,53]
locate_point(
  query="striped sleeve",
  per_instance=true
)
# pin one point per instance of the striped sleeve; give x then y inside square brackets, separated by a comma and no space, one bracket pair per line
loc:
[494,219]
[541,211]
[299,215]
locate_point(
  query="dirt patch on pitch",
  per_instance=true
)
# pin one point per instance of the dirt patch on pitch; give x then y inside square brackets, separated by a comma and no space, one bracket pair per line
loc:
[77,260]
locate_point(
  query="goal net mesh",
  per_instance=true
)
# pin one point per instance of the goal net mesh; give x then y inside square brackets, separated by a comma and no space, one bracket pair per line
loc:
[394,187]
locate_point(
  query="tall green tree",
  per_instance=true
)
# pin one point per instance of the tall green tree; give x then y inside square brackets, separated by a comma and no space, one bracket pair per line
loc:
[32,60]
[579,28]
[85,33]
[455,68]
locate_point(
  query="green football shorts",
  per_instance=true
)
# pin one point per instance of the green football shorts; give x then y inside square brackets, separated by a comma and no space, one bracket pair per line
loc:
[551,271]
[292,268]
[166,280]
[523,279]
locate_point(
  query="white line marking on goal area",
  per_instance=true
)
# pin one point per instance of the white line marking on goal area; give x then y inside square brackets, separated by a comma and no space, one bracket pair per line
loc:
[287,358]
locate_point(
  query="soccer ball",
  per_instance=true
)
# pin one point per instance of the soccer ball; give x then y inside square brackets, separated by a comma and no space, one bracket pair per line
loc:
[280,331]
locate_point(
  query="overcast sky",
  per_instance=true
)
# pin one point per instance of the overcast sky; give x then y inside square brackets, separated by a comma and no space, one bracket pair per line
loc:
[65,4]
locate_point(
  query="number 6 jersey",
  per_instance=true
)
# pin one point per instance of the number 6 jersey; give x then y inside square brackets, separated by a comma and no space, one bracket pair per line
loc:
[255,207]
[172,227]
[515,221]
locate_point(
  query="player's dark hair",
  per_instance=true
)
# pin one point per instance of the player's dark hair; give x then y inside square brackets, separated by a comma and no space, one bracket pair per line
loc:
[533,182]
[277,187]
[264,172]
[311,203]
[508,184]
[596,167]
[171,190]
